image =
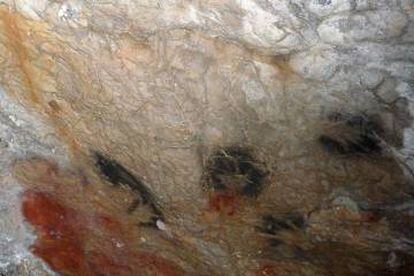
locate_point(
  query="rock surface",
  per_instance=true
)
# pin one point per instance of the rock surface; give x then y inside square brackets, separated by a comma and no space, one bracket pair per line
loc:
[311,98]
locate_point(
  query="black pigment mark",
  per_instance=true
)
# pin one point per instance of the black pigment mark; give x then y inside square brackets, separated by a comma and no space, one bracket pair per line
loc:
[272,225]
[364,145]
[351,134]
[117,174]
[235,169]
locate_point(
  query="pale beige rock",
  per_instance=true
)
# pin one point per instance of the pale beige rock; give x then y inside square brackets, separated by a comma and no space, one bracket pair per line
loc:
[160,85]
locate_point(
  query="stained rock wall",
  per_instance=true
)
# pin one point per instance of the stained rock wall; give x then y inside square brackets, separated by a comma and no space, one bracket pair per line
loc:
[220,137]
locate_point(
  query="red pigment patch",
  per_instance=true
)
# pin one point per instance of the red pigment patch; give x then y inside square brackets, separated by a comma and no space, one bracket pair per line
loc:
[268,270]
[278,269]
[60,242]
[223,203]
[370,217]
[104,265]
[156,265]
[108,223]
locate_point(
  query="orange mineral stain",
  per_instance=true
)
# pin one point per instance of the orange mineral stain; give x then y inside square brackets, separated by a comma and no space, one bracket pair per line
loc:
[16,43]
[19,35]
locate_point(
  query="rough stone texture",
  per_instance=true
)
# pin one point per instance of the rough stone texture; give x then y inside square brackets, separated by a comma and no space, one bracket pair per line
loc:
[159,85]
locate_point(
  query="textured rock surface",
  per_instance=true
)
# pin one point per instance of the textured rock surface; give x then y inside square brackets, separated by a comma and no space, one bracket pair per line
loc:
[161,87]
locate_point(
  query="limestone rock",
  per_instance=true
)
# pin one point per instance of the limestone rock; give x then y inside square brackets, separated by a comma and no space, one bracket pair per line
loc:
[158,89]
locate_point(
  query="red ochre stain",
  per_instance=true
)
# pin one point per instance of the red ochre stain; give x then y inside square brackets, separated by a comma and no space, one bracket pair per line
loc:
[108,223]
[156,265]
[225,203]
[268,270]
[58,243]
[370,217]
[61,242]
[278,269]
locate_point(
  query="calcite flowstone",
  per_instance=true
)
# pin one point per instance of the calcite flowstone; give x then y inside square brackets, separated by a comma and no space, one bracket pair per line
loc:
[188,103]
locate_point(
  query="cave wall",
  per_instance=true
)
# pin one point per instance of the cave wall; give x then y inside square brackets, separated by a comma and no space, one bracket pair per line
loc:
[162,87]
